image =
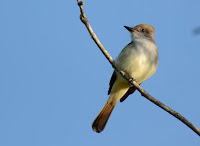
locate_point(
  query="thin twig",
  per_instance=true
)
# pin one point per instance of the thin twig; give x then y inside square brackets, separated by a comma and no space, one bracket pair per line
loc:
[130,80]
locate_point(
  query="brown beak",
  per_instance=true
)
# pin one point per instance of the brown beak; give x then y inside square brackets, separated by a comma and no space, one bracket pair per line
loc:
[130,29]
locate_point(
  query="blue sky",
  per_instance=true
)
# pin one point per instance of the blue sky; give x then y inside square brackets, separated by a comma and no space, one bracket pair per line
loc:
[54,80]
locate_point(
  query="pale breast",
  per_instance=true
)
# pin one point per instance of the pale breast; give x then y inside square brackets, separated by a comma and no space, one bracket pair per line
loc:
[139,60]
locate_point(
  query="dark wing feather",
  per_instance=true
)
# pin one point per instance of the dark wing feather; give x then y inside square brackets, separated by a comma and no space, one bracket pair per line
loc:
[131,90]
[112,81]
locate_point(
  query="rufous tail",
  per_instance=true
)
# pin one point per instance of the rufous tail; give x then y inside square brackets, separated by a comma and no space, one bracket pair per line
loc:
[101,120]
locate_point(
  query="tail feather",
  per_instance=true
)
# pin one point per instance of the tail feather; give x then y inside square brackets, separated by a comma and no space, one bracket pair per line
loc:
[118,90]
[101,120]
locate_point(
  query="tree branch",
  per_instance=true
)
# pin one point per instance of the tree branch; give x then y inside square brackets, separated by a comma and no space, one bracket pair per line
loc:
[129,79]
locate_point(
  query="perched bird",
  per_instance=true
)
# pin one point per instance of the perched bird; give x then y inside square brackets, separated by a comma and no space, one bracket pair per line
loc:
[139,59]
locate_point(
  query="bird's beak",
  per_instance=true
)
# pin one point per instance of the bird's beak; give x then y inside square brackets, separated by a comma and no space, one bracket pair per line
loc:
[130,29]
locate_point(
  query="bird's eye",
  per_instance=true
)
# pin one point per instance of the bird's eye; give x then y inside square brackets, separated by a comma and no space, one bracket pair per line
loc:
[142,30]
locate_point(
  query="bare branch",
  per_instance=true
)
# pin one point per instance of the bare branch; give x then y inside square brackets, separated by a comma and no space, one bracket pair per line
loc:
[126,76]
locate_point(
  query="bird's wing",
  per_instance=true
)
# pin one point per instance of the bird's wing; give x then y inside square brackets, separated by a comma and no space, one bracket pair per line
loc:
[112,81]
[131,90]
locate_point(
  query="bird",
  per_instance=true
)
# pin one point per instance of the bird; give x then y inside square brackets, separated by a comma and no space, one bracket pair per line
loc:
[139,59]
